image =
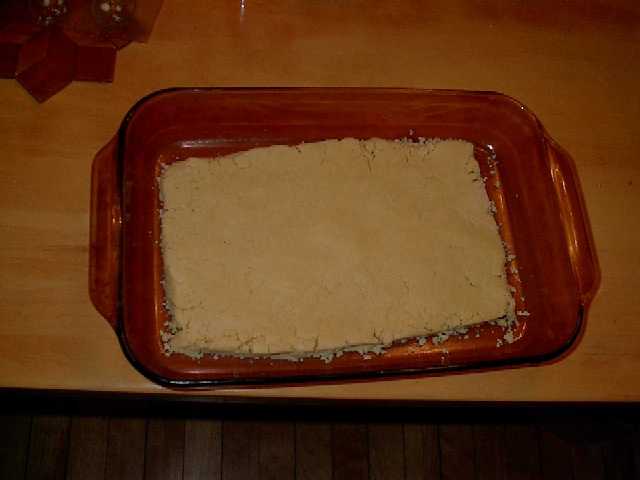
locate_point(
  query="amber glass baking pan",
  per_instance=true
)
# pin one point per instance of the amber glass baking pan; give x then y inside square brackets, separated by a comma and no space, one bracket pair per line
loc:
[531,180]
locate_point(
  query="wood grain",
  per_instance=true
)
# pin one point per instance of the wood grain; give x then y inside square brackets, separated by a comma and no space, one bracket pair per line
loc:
[489,451]
[277,450]
[14,445]
[126,448]
[202,449]
[635,442]
[164,452]
[588,461]
[561,60]
[522,452]
[240,450]
[618,458]
[350,451]
[457,451]
[421,451]
[556,453]
[414,455]
[313,451]
[87,448]
[386,451]
[48,447]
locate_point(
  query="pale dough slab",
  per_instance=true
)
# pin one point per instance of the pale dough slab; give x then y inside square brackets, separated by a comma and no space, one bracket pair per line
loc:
[328,244]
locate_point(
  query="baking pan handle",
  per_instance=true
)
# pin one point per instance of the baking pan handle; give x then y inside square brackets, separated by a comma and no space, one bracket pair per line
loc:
[576,222]
[106,222]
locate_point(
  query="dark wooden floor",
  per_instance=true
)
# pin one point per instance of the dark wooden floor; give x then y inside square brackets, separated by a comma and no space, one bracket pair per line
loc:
[197,441]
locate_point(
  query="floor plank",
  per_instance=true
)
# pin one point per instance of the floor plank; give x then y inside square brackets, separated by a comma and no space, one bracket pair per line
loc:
[414,454]
[635,441]
[87,448]
[587,461]
[350,451]
[313,451]
[386,451]
[556,453]
[126,440]
[164,452]
[14,445]
[489,451]
[84,447]
[618,458]
[202,449]
[239,450]
[277,451]
[421,451]
[457,452]
[48,447]
[522,452]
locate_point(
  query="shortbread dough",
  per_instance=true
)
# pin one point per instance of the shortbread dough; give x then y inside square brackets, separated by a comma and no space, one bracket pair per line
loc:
[327,245]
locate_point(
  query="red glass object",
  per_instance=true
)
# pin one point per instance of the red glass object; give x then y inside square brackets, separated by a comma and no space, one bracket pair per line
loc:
[46,44]
[539,205]
[95,63]
[47,63]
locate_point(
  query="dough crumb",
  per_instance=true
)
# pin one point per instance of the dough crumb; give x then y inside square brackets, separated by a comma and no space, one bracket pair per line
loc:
[323,248]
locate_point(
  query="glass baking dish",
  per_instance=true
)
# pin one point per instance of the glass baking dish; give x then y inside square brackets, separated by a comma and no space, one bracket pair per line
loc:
[531,180]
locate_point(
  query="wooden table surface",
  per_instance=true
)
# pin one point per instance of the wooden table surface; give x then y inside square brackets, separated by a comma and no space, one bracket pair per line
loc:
[577,67]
